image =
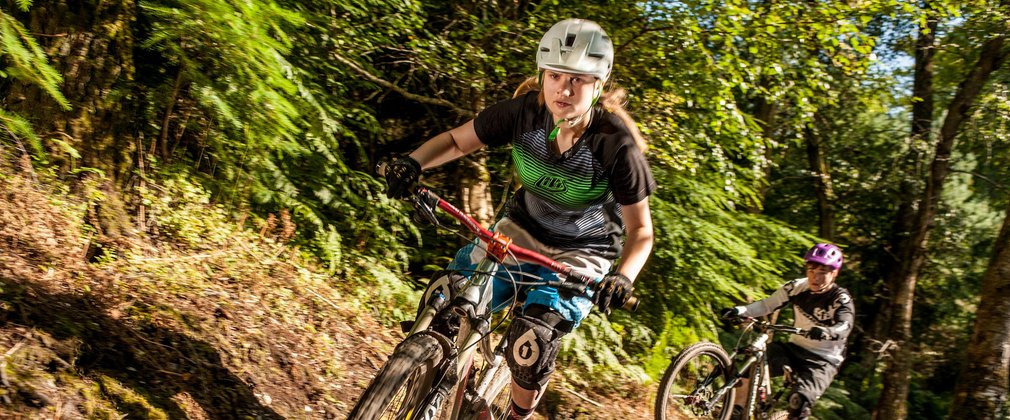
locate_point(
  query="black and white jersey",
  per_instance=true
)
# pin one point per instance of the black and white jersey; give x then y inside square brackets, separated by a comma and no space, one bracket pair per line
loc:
[570,200]
[832,309]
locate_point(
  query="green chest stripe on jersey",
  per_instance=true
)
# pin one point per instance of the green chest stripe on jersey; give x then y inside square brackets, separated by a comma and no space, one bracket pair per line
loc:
[556,183]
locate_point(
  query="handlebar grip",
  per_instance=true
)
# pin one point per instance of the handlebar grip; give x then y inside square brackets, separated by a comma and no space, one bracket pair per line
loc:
[631,305]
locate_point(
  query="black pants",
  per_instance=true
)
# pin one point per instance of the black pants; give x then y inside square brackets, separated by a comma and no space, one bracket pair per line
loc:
[813,374]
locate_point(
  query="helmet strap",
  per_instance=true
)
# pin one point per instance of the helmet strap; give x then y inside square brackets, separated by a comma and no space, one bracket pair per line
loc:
[571,123]
[554,132]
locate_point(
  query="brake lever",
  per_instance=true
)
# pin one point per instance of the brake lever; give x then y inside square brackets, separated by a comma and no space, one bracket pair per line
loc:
[630,305]
[424,212]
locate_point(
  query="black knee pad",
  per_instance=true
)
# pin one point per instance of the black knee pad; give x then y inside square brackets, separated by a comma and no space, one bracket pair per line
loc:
[533,346]
[799,407]
[446,282]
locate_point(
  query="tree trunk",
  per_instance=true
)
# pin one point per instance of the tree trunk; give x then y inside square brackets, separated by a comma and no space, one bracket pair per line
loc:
[764,114]
[475,188]
[822,184]
[91,44]
[892,403]
[163,137]
[908,193]
[981,391]
[474,177]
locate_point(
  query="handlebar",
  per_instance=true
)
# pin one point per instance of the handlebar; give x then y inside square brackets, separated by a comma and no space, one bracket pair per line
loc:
[499,246]
[765,326]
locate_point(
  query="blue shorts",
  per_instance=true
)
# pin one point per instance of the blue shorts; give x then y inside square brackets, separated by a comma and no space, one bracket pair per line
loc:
[573,308]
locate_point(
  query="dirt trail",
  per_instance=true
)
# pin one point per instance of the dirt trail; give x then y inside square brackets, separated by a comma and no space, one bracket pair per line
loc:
[151,329]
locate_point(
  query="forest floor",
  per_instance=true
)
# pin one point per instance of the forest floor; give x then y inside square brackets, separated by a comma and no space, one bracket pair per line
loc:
[233,327]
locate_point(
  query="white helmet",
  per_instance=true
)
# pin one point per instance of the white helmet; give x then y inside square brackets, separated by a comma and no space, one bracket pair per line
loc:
[576,46]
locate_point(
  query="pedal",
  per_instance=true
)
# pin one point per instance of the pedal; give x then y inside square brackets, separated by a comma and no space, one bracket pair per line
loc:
[405,326]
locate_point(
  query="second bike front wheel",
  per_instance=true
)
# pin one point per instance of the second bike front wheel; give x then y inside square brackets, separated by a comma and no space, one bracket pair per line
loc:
[689,387]
[401,385]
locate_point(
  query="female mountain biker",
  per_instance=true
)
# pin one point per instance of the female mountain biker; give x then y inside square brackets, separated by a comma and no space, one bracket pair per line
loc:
[823,308]
[585,182]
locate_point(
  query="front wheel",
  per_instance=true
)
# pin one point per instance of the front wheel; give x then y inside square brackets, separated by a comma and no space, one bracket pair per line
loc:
[492,396]
[498,395]
[403,382]
[691,386]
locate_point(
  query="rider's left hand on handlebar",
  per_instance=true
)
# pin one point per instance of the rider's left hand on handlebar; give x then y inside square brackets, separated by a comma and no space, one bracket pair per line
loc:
[401,176]
[612,292]
[819,333]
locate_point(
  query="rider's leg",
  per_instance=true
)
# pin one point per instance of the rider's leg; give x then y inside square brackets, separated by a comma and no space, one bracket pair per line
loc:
[444,282]
[449,281]
[799,406]
[535,338]
[740,398]
[547,315]
[776,357]
[515,411]
[562,311]
[813,375]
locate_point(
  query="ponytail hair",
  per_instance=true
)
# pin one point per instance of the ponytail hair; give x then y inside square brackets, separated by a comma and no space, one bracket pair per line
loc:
[528,85]
[612,100]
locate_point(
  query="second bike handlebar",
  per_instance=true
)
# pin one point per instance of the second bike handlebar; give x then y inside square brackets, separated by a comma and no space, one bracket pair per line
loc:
[768,326]
[499,246]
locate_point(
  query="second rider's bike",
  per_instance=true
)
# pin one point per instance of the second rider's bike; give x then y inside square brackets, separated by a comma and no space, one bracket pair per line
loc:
[701,383]
[432,372]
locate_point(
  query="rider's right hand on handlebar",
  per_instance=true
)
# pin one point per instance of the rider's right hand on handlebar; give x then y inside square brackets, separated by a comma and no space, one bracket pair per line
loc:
[729,313]
[612,292]
[818,332]
[401,176]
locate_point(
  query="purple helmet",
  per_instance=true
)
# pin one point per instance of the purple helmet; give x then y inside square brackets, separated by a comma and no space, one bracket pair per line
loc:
[826,254]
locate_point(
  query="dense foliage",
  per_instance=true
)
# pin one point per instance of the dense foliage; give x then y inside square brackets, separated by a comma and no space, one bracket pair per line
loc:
[771,126]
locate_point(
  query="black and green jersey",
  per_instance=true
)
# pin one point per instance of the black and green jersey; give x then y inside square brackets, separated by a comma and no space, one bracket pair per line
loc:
[569,200]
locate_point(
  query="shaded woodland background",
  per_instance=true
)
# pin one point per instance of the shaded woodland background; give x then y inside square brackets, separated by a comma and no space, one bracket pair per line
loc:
[180,130]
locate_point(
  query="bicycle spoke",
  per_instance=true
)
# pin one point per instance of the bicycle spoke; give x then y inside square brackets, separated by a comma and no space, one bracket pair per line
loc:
[399,409]
[692,389]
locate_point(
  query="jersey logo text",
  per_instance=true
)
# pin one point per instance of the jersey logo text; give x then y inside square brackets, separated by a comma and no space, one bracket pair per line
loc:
[551,184]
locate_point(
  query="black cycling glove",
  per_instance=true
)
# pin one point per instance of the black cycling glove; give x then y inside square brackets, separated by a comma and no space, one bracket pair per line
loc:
[818,332]
[613,291]
[729,313]
[401,175]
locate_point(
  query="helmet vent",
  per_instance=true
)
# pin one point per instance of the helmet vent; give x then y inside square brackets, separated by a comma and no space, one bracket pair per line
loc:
[570,40]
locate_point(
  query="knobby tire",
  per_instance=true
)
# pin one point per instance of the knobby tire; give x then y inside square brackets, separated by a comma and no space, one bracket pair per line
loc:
[411,370]
[684,385]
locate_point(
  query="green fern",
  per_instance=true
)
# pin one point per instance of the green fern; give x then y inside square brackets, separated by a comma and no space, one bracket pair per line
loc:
[24,5]
[26,62]
[596,349]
